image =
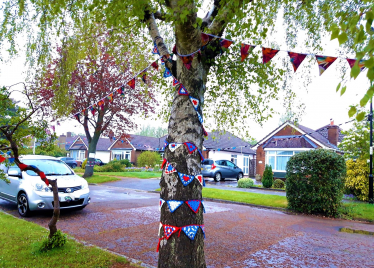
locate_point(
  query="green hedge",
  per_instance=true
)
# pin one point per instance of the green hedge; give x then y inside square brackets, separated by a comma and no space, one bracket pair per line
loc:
[245,183]
[267,177]
[315,182]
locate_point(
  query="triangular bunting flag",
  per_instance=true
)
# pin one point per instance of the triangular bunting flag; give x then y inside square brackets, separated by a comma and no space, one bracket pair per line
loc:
[77,116]
[268,54]
[162,201]
[186,179]
[173,146]
[110,97]
[187,60]
[200,179]
[191,147]
[92,109]
[225,43]
[205,133]
[144,76]
[245,50]
[174,204]
[166,143]
[162,61]
[169,168]
[131,83]
[200,117]
[155,50]
[352,63]
[195,102]
[202,203]
[203,228]
[163,163]
[11,159]
[120,90]
[155,65]
[175,82]
[191,231]
[194,205]
[201,155]
[2,159]
[324,62]
[182,90]
[167,72]
[296,59]
[169,230]
[205,38]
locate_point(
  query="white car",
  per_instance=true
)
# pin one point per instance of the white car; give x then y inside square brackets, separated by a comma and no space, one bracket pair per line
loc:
[30,193]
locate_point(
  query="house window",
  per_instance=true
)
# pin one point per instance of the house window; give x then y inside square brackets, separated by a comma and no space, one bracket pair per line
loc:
[119,155]
[81,155]
[278,159]
[234,159]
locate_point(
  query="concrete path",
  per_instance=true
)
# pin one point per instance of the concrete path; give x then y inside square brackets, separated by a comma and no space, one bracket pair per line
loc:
[126,221]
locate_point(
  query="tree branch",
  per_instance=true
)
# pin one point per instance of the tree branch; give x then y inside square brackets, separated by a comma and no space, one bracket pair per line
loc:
[209,17]
[159,15]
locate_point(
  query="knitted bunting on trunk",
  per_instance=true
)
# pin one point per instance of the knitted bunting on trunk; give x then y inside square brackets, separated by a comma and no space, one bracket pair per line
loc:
[191,231]
[175,82]
[131,83]
[185,179]
[296,59]
[182,90]
[245,50]
[164,162]
[166,143]
[159,229]
[200,117]
[173,146]
[202,203]
[203,228]
[200,178]
[162,201]
[187,60]
[324,62]
[268,54]
[194,205]
[201,155]
[191,147]
[155,50]
[169,168]
[167,73]
[195,102]
[205,133]
[155,65]
[174,204]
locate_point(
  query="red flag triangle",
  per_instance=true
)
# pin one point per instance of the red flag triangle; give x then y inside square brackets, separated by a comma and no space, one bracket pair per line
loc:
[296,59]
[268,54]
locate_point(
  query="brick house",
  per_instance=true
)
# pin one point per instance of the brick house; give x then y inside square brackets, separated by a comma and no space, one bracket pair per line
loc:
[277,147]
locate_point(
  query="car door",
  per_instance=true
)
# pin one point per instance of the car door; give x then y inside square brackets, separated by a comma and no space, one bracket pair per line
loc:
[9,190]
[224,169]
[233,170]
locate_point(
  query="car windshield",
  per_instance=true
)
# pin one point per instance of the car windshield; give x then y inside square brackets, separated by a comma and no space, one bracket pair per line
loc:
[48,166]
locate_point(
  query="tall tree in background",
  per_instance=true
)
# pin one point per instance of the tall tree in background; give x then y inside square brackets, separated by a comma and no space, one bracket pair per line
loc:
[230,90]
[91,81]
[150,131]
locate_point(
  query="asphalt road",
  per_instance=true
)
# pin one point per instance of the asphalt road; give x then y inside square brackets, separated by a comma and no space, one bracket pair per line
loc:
[126,221]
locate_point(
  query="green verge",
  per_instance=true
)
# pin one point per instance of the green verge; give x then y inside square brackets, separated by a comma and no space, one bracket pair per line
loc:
[357,211]
[20,242]
[100,179]
[129,174]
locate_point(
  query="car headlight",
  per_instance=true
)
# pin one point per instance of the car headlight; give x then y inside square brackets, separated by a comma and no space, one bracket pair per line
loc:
[84,184]
[41,187]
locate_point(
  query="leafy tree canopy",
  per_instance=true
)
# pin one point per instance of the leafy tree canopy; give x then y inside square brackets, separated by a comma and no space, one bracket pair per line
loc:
[150,131]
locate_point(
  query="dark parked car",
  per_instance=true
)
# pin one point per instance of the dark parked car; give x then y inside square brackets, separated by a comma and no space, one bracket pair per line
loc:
[220,169]
[69,161]
[98,162]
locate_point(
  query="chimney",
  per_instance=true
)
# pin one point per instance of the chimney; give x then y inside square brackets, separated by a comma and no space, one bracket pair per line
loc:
[333,133]
[68,134]
[62,141]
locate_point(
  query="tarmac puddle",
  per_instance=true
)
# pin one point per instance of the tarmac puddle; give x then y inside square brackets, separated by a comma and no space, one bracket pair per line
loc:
[355,231]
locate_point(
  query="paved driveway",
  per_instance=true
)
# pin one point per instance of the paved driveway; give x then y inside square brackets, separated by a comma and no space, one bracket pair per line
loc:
[126,221]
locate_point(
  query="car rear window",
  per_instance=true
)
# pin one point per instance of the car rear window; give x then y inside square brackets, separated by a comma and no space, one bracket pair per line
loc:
[69,158]
[207,162]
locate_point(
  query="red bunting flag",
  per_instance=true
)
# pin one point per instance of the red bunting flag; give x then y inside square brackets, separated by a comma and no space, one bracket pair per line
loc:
[296,59]
[175,82]
[245,50]
[205,39]
[131,83]
[101,104]
[268,54]
[155,65]
[2,159]
[77,116]
[93,110]
[187,60]
[225,43]
[143,74]
[352,63]
[110,97]
[324,62]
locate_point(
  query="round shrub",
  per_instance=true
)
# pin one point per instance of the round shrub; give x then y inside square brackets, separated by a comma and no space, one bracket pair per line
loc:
[279,184]
[315,182]
[267,177]
[357,182]
[245,183]
[112,166]
[84,163]
[149,159]
[125,162]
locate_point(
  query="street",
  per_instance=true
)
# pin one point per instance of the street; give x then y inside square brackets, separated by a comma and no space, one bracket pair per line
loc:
[126,220]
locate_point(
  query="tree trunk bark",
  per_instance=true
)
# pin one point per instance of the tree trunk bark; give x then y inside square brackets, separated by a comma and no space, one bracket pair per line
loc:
[56,209]
[89,170]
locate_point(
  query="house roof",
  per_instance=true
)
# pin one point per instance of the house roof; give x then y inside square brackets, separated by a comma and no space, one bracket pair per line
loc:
[102,145]
[226,141]
[69,142]
[318,136]
[324,132]
[292,142]
[145,143]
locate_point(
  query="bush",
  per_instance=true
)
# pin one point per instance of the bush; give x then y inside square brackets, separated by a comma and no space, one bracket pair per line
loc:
[56,241]
[149,159]
[112,166]
[279,184]
[357,180]
[84,163]
[258,177]
[245,183]
[125,162]
[267,177]
[315,182]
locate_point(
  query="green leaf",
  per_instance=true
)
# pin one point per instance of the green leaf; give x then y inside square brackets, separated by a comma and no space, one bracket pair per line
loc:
[342,38]
[355,71]
[338,87]
[343,90]
[364,100]
[352,111]
[370,74]
[360,116]
[369,63]
[335,34]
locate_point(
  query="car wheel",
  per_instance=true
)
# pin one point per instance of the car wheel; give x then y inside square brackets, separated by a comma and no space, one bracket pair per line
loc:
[217,176]
[23,205]
[73,166]
[240,176]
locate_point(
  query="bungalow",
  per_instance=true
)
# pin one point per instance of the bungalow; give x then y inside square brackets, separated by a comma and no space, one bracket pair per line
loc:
[289,139]
[223,145]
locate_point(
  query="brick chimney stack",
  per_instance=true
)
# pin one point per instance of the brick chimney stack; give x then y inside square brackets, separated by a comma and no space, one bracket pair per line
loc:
[68,134]
[333,133]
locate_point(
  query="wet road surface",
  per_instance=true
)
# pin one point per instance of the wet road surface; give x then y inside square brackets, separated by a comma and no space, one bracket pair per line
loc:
[126,221]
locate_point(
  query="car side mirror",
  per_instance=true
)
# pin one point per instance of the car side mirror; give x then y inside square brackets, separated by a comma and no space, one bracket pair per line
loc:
[14,173]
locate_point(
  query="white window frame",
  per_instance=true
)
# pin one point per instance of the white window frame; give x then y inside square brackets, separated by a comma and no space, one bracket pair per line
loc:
[273,152]
[81,155]
[234,159]
[124,154]
[246,168]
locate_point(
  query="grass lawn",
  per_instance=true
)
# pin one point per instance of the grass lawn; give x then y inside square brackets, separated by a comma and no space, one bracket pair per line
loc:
[100,179]
[129,174]
[360,211]
[20,242]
